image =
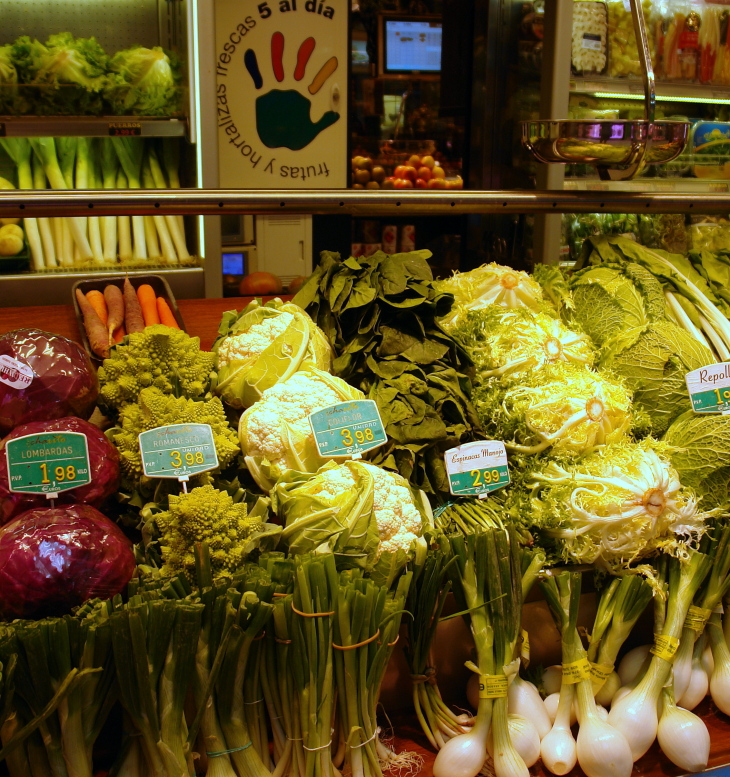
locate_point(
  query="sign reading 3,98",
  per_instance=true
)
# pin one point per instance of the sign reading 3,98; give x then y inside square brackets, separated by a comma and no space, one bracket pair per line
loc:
[177,451]
[48,463]
[348,428]
[477,468]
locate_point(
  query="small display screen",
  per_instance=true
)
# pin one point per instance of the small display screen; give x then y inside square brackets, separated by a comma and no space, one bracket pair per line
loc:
[412,46]
[234,264]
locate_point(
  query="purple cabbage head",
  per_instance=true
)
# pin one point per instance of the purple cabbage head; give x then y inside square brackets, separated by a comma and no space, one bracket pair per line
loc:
[103,466]
[43,376]
[55,558]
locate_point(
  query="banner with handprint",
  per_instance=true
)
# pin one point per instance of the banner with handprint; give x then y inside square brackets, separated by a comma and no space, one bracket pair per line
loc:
[281,93]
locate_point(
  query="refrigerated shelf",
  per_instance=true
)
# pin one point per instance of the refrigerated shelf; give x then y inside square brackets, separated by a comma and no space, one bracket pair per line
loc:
[90,126]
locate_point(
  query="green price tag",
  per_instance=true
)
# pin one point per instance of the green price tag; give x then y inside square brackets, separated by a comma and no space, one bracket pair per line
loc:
[177,451]
[48,463]
[348,428]
[477,468]
[709,388]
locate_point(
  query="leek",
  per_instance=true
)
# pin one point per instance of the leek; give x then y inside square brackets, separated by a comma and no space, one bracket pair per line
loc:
[130,152]
[109,169]
[177,234]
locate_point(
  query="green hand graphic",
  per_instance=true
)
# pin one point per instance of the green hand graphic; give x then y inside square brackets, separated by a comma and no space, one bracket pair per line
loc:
[283,119]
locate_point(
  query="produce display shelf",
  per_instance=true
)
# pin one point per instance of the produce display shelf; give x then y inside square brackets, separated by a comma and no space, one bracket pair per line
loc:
[90,126]
[633,89]
[214,202]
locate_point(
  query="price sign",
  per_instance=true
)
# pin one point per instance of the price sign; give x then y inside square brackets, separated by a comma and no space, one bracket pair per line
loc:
[120,129]
[709,388]
[348,428]
[178,451]
[48,463]
[477,468]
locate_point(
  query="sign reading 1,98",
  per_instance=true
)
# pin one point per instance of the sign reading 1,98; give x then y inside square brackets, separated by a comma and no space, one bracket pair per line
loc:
[48,463]
[477,468]
[348,428]
[709,388]
[177,451]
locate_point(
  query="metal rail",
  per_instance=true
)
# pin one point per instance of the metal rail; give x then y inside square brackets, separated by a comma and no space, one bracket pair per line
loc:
[112,202]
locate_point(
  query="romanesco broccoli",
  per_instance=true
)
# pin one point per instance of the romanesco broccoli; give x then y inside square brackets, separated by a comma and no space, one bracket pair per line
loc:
[166,358]
[207,515]
[154,409]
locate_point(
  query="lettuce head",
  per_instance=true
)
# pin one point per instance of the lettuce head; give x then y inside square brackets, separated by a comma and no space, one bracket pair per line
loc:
[262,345]
[145,82]
[617,505]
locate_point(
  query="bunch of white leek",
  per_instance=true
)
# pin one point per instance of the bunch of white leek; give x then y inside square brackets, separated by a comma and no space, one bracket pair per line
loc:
[601,750]
[107,163]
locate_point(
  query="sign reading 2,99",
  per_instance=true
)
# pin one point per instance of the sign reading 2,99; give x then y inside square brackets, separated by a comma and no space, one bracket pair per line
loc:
[477,468]
[348,428]
[48,463]
[177,451]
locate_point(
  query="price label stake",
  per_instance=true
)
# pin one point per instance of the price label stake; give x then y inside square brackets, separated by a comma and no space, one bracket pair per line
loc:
[348,428]
[709,388]
[477,468]
[48,463]
[178,451]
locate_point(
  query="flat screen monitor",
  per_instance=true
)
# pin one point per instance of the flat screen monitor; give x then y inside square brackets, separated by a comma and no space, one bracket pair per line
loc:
[411,45]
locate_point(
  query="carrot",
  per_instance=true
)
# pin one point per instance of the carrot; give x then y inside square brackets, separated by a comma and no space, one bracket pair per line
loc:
[95,330]
[96,298]
[167,317]
[119,334]
[148,302]
[133,319]
[115,304]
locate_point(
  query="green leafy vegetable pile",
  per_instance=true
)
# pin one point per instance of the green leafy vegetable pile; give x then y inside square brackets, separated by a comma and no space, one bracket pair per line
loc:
[380,315]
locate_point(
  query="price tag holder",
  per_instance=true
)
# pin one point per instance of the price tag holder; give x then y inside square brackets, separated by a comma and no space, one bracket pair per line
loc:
[178,451]
[709,388]
[48,463]
[348,428]
[477,468]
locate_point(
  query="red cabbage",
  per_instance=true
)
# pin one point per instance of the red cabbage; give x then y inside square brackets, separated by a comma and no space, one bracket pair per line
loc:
[103,465]
[63,380]
[55,558]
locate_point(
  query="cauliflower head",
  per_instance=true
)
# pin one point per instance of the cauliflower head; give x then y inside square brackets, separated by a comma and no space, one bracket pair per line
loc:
[207,515]
[153,409]
[355,509]
[275,432]
[263,345]
[160,357]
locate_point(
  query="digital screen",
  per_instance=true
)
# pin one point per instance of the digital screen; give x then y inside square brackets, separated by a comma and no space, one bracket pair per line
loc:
[234,264]
[412,46]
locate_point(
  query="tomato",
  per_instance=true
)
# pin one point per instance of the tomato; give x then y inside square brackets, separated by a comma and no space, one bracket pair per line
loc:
[438,172]
[361,176]
[372,185]
[378,173]
[421,184]
[260,283]
[415,161]
[403,183]
[425,173]
[428,161]
[437,183]
[389,182]
[295,284]
[400,171]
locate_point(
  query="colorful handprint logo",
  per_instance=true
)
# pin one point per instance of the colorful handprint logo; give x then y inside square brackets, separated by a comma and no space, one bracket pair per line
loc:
[283,116]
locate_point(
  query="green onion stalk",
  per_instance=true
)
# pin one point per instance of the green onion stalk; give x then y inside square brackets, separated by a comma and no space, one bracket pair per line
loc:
[154,643]
[45,227]
[716,585]
[86,179]
[19,150]
[109,169]
[620,605]
[466,516]
[171,161]
[313,605]
[601,749]
[636,714]
[252,612]
[487,583]
[130,152]
[426,598]
[253,699]
[124,228]
[150,228]
[366,626]
[165,248]
[63,688]
[175,231]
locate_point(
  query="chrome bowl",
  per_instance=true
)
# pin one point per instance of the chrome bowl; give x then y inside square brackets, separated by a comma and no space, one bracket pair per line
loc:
[607,143]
